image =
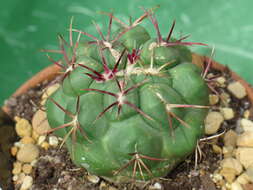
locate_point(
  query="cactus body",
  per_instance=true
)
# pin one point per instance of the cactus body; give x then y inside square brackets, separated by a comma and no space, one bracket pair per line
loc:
[120,102]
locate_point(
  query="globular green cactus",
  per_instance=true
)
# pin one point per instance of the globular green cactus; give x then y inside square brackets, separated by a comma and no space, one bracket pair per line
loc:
[130,106]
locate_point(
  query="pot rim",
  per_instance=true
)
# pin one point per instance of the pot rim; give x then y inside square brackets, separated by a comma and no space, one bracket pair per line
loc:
[47,73]
[52,71]
[199,60]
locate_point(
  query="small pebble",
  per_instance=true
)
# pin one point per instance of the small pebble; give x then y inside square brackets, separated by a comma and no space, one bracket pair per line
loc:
[213,99]
[27,168]
[210,75]
[15,178]
[17,168]
[246,114]
[41,139]
[221,81]
[18,144]
[21,177]
[213,122]
[229,174]
[27,183]
[233,164]
[40,123]
[243,179]
[53,141]
[237,89]
[245,156]
[45,145]
[228,113]
[156,186]
[230,138]
[102,186]
[227,151]
[28,153]
[23,127]
[246,124]
[93,179]
[217,149]
[245,139]
[225,97]
[249,173]
[50,90]
[236,186]
[14,150]
[34,162]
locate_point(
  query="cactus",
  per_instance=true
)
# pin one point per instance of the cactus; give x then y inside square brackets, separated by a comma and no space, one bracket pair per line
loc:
[130,106]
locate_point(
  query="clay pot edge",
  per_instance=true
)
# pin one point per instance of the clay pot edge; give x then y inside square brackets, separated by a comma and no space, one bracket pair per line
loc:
[47,73]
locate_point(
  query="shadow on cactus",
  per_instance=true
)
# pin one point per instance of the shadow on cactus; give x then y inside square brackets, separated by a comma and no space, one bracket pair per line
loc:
[130,106]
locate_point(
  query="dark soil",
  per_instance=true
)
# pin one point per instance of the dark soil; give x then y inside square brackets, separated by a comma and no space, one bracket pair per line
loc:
[7,138]
[55,170]
[27,104]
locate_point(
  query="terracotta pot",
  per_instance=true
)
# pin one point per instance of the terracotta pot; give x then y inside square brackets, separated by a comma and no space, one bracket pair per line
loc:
[53,70]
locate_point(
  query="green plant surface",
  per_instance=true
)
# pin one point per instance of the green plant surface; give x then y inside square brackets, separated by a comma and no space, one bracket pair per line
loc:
[130,106]
[28,26]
